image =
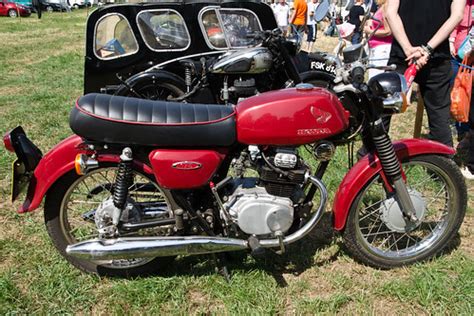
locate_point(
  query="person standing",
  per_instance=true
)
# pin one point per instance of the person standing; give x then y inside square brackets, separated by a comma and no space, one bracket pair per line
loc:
[356,14]
[455,40]
[421,29]
[380,43]
[332,14]
[299,16]
[281,11]
[311,24]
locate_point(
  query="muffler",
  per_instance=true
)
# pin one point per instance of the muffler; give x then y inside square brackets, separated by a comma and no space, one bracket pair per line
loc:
[143,247]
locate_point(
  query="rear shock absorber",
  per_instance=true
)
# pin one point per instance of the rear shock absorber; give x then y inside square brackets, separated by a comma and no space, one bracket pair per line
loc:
[188,78]
[392,168]
[124,179]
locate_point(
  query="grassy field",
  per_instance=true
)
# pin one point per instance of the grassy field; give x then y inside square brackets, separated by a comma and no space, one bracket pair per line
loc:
[41,69]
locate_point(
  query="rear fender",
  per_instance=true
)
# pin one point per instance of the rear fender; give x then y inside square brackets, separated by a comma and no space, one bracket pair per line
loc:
[56,163]
[367,167]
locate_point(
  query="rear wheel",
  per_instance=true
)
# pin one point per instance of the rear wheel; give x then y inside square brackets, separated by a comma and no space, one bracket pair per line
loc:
[376,232]
[150,89]
[12,13]
[49,9]
[70,210]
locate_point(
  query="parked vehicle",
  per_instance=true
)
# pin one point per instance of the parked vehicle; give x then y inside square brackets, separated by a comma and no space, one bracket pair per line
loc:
[77,4]
[142,181]
[146,50]
[13,9]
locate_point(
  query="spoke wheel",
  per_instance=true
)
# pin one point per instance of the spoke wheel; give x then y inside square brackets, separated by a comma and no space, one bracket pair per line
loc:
[70,209]
[376,232]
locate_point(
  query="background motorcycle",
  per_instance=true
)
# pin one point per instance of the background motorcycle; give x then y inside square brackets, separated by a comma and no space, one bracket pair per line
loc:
[140,181]
[227,78]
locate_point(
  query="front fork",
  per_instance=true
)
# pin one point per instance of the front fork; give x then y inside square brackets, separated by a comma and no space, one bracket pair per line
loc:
[392,168]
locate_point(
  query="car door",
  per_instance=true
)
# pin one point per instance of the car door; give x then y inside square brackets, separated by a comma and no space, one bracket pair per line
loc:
[3,7]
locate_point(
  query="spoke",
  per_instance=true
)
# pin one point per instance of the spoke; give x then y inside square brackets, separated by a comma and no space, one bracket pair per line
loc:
[370,214]
[437,194]
[395,243]
[100,183]
[379,233]
[424,181]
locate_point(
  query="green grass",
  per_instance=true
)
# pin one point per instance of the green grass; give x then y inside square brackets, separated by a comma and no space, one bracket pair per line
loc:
[41,69]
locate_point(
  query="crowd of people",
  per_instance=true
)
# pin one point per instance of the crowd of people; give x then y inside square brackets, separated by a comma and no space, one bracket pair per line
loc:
[427,33]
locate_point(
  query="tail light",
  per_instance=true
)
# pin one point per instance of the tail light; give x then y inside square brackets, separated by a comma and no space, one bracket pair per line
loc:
[7,141]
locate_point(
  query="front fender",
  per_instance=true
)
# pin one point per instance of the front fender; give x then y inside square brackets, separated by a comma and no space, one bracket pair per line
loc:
[56,163]
[367,167]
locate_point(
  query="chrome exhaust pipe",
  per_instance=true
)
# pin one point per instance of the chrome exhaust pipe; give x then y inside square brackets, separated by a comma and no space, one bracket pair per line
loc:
[144,247]
[309,226]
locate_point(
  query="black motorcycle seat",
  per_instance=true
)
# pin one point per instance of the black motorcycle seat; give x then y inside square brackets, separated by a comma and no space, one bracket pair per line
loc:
[124,120]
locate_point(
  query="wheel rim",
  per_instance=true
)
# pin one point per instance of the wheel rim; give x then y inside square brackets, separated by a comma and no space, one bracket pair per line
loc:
[430,183]
[12,13]
[49,9]
[78,204]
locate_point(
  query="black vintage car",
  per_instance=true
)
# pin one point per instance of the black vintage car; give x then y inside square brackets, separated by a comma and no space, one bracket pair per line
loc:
[126,42]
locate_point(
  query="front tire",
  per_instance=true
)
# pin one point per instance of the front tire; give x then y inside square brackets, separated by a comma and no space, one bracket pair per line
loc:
[67,203]
[373,234]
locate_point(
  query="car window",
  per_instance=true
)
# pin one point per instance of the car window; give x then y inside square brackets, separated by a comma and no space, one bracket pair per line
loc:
[114,37]
[229,28]
[163,30]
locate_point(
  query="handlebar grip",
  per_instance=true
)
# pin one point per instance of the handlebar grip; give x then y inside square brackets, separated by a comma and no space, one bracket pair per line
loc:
[357,75]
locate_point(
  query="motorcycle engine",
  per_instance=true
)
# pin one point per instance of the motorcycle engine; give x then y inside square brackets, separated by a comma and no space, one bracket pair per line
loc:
[265,205]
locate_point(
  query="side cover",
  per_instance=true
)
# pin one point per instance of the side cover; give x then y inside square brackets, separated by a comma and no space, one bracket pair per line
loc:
[184,169]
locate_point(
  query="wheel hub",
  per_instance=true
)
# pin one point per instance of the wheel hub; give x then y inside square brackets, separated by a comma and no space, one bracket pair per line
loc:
[392,215]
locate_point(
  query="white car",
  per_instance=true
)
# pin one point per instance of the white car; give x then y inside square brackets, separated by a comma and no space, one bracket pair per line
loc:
[76,4]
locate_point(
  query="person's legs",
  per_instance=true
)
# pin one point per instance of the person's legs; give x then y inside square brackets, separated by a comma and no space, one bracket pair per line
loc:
[356,38]
[470,157]
[434,82]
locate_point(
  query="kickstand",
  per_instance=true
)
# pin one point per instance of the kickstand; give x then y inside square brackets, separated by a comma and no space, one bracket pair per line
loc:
[221,265]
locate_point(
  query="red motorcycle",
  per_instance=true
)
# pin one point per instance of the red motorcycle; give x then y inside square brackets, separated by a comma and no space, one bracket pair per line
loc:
[142,181]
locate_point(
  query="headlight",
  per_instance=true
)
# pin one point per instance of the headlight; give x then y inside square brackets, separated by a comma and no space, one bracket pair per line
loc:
[391,87]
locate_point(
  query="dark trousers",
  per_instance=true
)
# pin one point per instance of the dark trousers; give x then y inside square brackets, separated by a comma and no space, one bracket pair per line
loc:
[470,157]
[356,37]
[434,83]
[312,31]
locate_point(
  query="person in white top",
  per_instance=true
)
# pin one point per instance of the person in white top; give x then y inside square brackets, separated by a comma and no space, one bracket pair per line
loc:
[311,24]
[282,11]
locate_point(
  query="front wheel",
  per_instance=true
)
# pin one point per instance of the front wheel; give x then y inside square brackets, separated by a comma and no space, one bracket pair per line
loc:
[377,234]
[70,208]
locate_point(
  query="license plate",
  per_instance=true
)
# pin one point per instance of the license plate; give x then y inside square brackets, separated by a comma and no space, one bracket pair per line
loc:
[19,178]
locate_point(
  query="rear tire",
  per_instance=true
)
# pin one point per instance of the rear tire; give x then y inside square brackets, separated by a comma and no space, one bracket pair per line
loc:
[60,227]
[153,87]
[12,13]
[370,235]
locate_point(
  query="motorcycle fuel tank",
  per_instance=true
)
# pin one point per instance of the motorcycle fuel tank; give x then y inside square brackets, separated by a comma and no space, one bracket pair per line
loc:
[249,61]
[294,116]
